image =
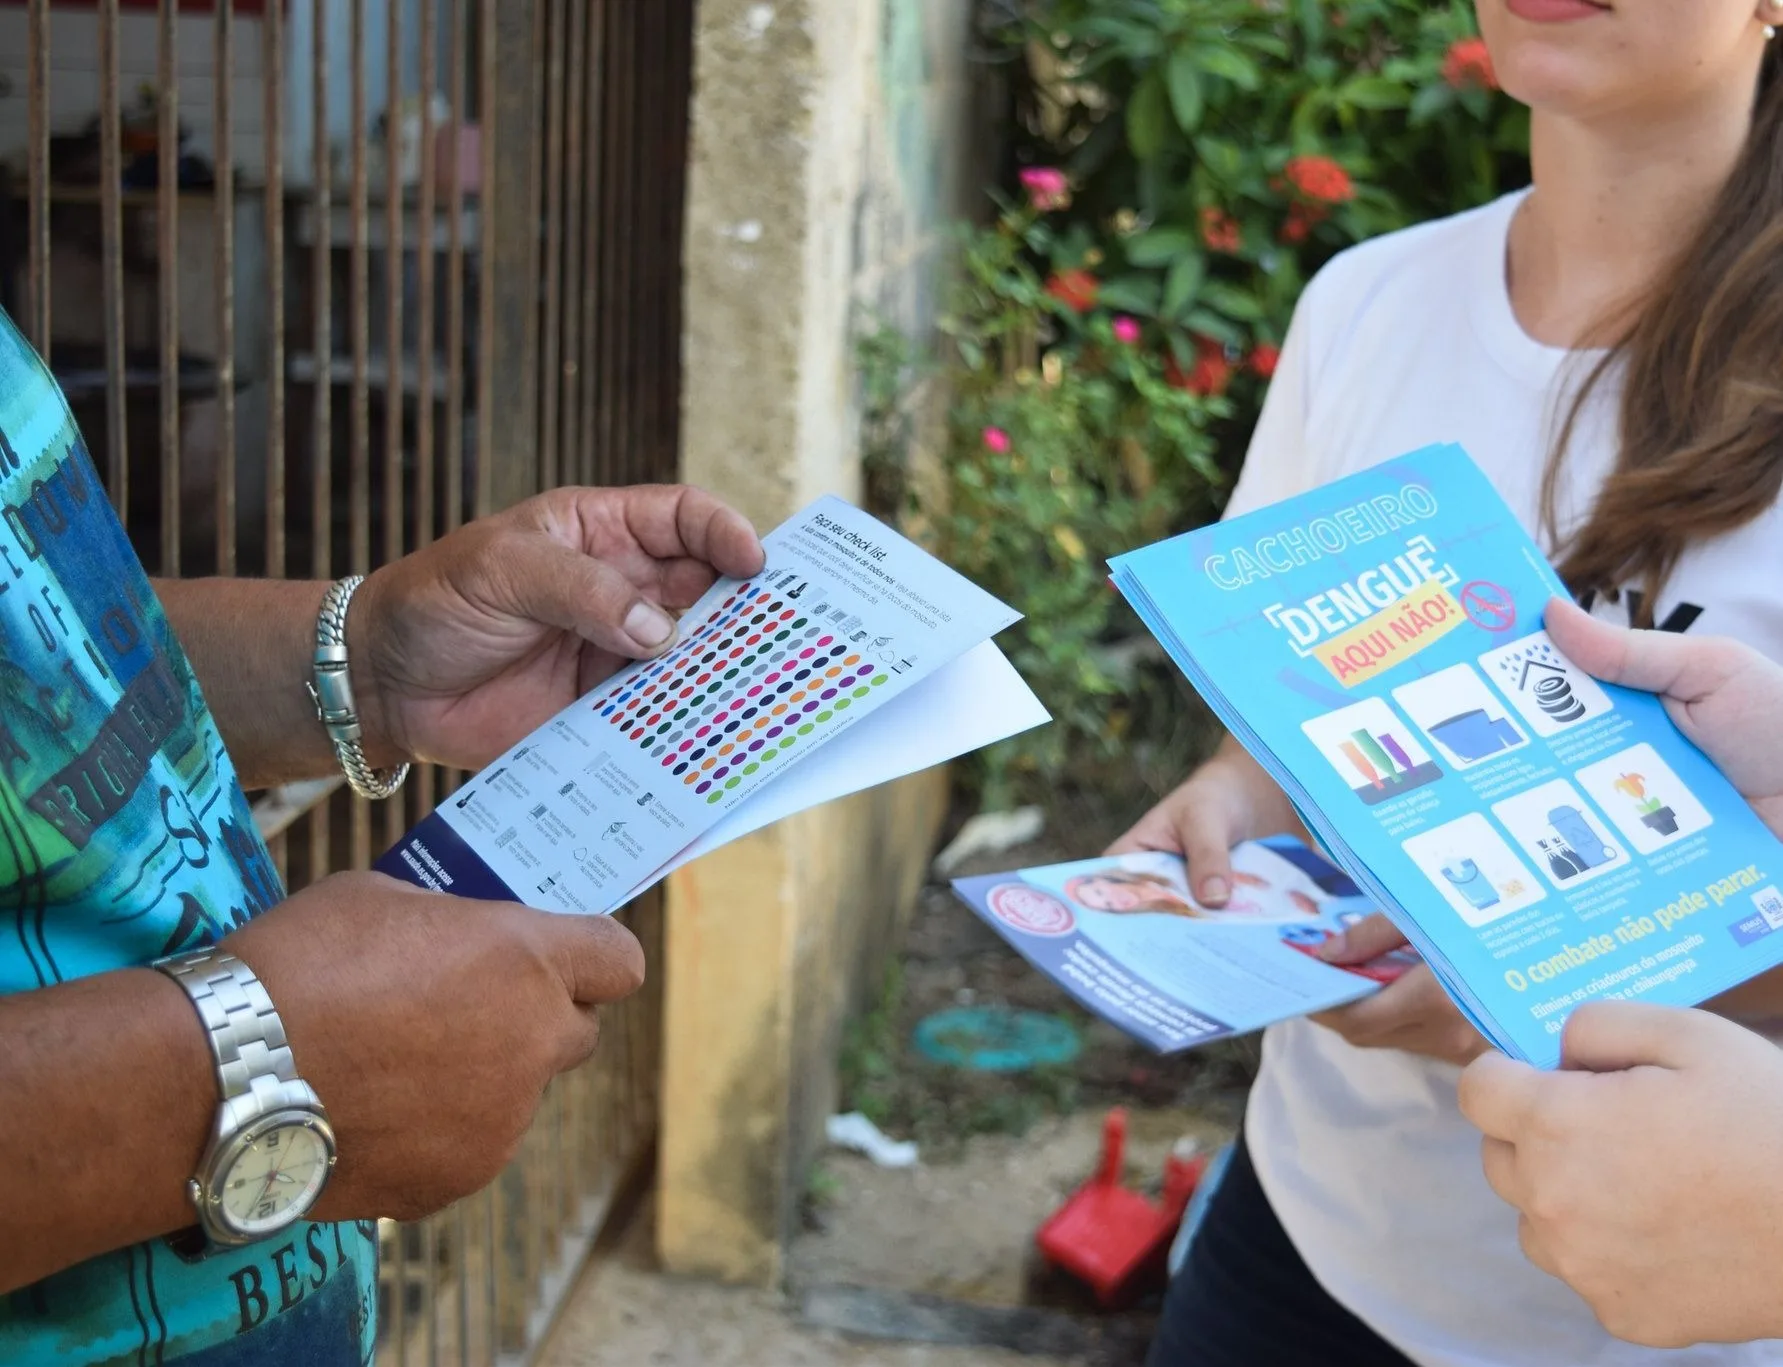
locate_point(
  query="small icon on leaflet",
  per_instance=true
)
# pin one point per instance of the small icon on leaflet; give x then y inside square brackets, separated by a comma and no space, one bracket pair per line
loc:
[820,609]
[612,831]
[567,789]
[548,884]
[644,801]
[1549,690]
[795,594]
[537,812]
[881,643]
[469,797]
[857,638]
[522,752]
[901,666]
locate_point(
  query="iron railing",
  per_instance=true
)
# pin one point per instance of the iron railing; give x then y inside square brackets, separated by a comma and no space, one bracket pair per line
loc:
[341,344]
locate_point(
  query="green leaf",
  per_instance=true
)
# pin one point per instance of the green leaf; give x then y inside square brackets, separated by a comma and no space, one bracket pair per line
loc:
[1311,14]
[1373,92]
[1206,324]
[1304,123]
[1429,102]
[1131,294]
[1159,247]
[1135,40]
[1229,63]
[1232,301]
[1182,284]
[1223,159]
[1146,118]
[1184,79]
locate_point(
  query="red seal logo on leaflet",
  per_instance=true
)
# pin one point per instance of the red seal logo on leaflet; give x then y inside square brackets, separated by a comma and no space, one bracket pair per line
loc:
[1030,910]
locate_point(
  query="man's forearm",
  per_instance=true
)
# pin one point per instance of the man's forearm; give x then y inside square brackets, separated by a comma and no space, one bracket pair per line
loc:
[252,643]
[106,1091]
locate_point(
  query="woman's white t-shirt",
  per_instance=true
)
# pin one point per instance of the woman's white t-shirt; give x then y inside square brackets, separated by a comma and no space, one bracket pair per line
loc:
[1398,343]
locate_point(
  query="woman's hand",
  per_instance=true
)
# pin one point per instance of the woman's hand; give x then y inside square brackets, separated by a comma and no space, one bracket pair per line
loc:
[1646,1177]
[1413,1013]
[1227,800]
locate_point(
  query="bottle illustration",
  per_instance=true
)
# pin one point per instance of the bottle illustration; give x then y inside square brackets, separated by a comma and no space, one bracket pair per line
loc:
[1563,863]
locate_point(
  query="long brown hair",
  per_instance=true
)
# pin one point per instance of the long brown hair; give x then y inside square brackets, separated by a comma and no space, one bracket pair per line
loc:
[1701,421]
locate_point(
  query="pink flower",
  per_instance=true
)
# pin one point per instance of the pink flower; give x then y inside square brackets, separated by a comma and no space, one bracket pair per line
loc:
[996,439]
[1126,329]
[1047,188]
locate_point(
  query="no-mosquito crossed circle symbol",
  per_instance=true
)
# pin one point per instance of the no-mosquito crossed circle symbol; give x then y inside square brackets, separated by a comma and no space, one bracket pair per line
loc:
[1488,605]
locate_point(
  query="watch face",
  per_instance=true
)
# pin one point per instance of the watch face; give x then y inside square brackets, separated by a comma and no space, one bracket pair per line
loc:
[274,1179]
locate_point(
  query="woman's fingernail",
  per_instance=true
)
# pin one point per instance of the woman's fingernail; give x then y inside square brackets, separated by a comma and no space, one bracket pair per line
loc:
[648,625]
[1334,947]
[1215,890]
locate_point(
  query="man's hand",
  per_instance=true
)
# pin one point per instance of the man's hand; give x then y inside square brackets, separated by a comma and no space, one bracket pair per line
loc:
[1649,1183]
[1412,1013]
[429,1026]
[463,648]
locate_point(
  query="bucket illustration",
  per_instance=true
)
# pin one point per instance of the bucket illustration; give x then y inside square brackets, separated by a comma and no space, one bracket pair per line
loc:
[1465,876]
[1475,735]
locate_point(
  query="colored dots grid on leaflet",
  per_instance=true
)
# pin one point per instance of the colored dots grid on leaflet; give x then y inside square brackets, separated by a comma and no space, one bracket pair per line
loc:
[757,678]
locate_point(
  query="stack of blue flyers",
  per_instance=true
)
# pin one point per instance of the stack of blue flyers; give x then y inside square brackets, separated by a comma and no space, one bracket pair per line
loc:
[1541,838]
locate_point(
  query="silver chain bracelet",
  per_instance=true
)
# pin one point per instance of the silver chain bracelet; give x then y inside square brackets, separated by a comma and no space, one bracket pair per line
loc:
[332,692]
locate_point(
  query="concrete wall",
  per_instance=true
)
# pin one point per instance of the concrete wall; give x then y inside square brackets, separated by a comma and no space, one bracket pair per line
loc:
[833,142]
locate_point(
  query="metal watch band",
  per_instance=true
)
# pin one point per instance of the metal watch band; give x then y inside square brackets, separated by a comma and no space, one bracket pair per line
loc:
[332,690]
[247,1038]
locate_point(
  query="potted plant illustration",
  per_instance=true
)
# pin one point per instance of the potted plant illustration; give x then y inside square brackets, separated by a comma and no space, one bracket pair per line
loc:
[1661,819]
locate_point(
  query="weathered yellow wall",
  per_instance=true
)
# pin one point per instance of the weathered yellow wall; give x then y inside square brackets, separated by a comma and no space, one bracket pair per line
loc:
[828,144]
[770,943]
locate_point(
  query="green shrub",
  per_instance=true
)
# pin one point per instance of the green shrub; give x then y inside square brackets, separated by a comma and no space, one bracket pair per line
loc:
[1187,165]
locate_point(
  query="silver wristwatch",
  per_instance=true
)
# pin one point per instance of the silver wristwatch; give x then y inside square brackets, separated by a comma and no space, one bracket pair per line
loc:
[271,1149]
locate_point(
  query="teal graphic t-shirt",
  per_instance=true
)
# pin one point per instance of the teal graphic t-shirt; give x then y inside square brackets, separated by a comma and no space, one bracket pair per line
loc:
[125,836]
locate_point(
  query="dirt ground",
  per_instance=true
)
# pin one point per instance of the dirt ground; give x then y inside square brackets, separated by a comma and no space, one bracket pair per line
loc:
[931,1266]
[627,1314]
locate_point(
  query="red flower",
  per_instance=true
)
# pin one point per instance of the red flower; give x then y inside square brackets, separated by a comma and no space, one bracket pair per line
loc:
[1468,63]
[996,439]
[1264,360]
[1075,289]
[1047,188]
[1319,179]
[1210,374]
[1219,230]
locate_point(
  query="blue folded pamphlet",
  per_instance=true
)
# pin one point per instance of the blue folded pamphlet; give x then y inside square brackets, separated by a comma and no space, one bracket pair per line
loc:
[1125,936]
[1542,839]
